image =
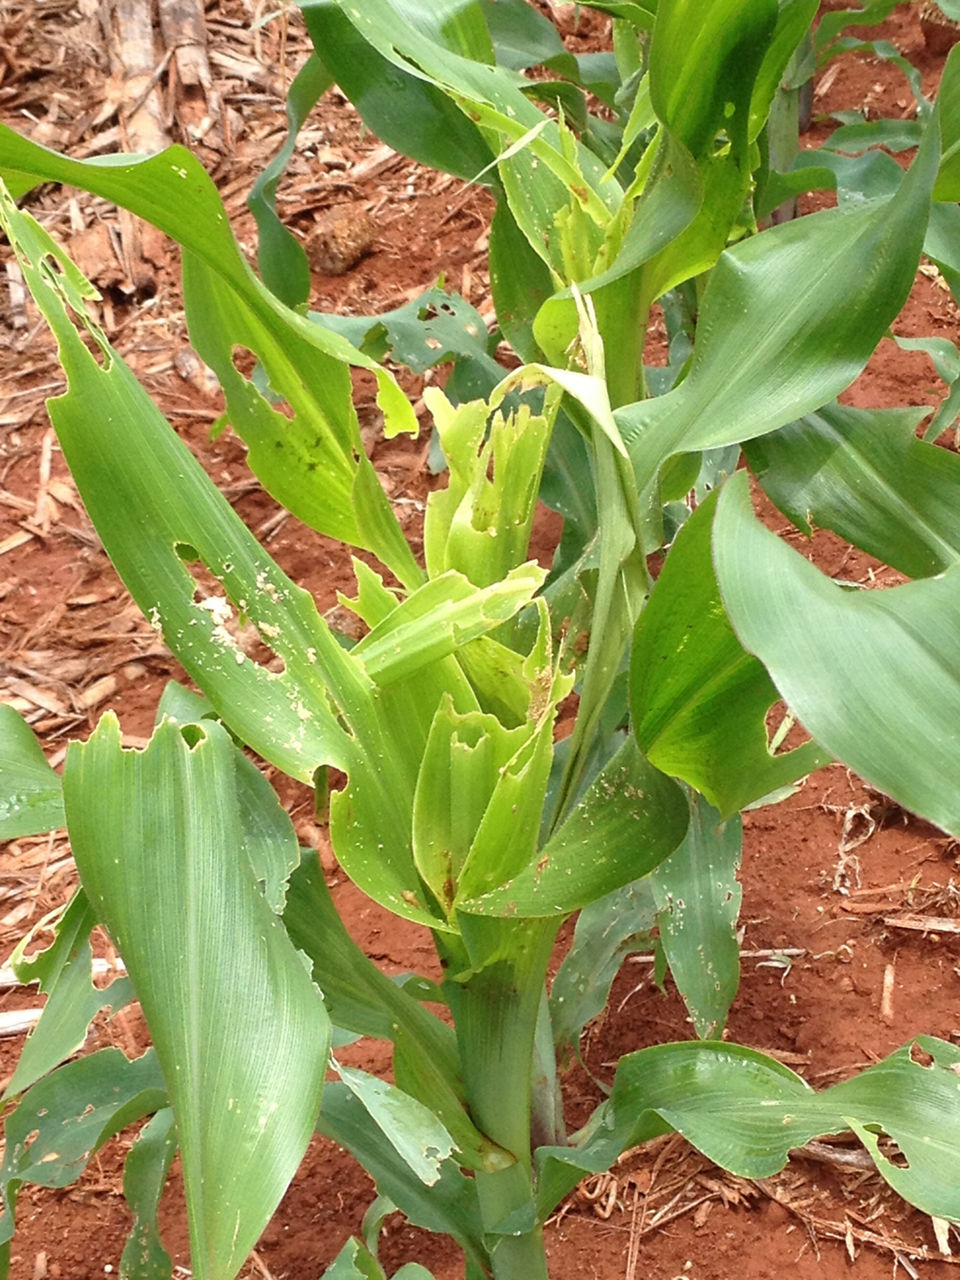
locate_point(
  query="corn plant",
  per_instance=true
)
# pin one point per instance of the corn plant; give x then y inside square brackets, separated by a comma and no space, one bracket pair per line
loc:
[453,806]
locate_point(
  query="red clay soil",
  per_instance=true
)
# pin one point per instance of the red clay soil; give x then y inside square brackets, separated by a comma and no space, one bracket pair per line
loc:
[833,878]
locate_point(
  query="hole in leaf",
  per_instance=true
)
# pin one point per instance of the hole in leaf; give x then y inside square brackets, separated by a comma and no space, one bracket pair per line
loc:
[893,1154]
[920,1056]
[232,628]
[187,553]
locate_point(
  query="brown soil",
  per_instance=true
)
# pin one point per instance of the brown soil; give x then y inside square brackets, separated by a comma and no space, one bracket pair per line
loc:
[829,876]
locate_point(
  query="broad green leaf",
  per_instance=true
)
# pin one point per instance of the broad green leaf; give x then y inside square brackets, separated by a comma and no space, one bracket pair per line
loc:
[948,97]
[607,930]
[411,1128]
[269,840]
[894,135]
[65,976]
[520,282]
[873,675]
[704,58]
[30,791]
[746,1112]
[864,474]
[758,364]
[239,1028]
[699,701]
[449,1206]
[793,22]
[361,998]
[63,1120]
[144,1176]
[698,902]
[280,255]
[228,307]
[154,507]
[946,360]
[522,37]
[629,819]
[396,103]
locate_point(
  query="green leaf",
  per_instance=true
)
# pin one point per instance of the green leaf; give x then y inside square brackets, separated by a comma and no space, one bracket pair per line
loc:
[948,97]
[746,1112]
[758,364]
[864,474]
[30,793]
[704,59]
[894,135]
[280,256]
[432,328]
[65,975]
[632,813]
[154,506]
[698,701]
[411,1128]
[793,22]
[867,15]
[354,1262]
[144,1176]
[873,675]
[520,282]
[607,930]
[698,902]
[395,101]
[228,307]
[63,1120]
[449,1206]
[522,37]
[240,1029]
[362,999]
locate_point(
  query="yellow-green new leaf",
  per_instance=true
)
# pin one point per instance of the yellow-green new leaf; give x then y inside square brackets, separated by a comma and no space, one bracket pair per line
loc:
[239,1027]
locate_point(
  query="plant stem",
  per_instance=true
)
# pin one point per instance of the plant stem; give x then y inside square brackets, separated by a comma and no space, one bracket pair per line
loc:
[494,991]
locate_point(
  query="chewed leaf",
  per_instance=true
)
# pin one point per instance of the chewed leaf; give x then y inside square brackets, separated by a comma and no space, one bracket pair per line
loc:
[64,973]
[440,617]
[411,1128]
[699,700]
[64,1119]
[698,902]
[144,1177]
[746,1112]
[313,461]
[628,821]
[239,1027]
